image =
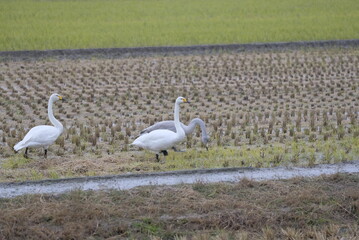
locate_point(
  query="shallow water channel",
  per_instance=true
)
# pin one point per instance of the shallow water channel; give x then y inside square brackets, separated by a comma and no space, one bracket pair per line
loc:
[128,181]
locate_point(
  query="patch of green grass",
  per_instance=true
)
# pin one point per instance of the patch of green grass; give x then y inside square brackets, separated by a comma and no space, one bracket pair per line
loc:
[36,175]
[147,226]
[292,153]
[53,174]
[295,153]
[208,190]
[15,161]
[34,24]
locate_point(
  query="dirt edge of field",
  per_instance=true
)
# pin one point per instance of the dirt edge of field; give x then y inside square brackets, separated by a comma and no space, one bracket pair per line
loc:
[131,180]
[169,50]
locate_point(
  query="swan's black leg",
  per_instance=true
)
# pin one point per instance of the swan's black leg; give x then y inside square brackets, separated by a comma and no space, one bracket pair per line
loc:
[45,155]
[157,157]
[165,153]
[25,154]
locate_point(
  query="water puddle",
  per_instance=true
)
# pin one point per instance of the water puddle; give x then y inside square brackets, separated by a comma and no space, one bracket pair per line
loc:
[128,181]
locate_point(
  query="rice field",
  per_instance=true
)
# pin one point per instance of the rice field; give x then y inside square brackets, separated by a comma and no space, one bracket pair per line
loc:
[267,108]
[262,109]
[63,24]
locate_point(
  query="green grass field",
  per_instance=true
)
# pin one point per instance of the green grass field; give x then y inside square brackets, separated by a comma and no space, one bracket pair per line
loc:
[61,24]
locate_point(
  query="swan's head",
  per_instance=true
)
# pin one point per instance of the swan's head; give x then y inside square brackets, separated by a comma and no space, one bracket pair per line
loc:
[55,97]
[181,100]
[205,140]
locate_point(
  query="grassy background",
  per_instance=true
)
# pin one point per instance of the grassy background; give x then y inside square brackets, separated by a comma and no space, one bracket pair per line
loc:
[60,24]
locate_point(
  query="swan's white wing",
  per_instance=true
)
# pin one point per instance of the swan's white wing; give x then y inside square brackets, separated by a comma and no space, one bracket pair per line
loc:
[39,136]
[157,140]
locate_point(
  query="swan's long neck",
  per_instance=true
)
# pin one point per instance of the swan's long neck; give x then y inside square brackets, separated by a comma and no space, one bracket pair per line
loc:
[53,120]
[179,129]
[192,125]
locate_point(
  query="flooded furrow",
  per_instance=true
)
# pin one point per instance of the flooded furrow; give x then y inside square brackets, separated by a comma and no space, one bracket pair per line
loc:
[128,181]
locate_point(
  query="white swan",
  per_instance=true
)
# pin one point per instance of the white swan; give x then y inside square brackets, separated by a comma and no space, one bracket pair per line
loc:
[160,140]
[170,125]
[44,135]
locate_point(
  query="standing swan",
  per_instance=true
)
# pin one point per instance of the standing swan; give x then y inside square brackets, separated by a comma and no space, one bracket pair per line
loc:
[160,140]
[170,125]
[44,135]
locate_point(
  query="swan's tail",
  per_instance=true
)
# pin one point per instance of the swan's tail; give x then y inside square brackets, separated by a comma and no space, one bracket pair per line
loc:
[18,146]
